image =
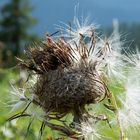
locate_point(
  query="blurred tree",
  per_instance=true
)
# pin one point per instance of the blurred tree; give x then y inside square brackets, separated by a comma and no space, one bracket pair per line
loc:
[14,24]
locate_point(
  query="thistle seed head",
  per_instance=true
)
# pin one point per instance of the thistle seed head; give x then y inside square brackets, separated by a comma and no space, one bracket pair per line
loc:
[74,87]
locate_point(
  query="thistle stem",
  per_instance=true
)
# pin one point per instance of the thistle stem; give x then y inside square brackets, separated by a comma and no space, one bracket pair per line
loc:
[122,134]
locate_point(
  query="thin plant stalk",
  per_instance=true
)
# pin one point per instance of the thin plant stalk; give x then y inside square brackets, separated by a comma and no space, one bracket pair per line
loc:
[122,134]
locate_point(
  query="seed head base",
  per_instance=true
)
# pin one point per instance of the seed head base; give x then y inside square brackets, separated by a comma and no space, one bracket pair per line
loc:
[63,92]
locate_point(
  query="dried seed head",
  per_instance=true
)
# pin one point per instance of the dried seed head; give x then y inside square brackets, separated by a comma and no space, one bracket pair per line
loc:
[49,56]
[64,83]
[75,87]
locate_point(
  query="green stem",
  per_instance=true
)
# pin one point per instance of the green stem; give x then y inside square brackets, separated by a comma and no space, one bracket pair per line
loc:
[122,134]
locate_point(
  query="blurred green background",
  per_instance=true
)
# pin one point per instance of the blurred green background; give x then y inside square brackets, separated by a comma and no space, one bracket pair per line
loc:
[23,22]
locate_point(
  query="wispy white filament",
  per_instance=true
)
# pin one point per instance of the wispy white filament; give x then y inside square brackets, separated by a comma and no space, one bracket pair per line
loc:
[78,27]
[130,113]
[19,100]
[133,59]
[88,130]
[112,58]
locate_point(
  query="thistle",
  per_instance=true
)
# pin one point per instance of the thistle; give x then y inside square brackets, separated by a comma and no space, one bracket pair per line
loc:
[71,74]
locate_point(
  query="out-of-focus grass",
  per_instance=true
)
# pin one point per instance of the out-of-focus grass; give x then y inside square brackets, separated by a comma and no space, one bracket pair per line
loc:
[11,131]
[5,77]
